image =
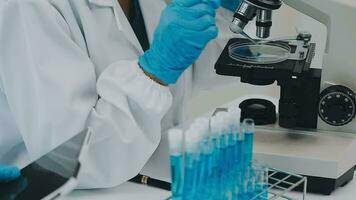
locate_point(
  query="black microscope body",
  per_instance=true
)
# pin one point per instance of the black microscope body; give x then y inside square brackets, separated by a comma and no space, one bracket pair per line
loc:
[299,83]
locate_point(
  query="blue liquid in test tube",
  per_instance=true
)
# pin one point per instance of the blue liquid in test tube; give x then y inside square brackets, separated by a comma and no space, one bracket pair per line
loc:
[191,164]
[217,168]
[177,176]
[175,137]
[261,182]
[189,176]
[248,128]
[206,171]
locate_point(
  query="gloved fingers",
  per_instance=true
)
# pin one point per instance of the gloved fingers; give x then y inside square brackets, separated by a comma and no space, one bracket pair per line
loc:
[214,3]
[199,10]
[8,173]
[190,54]
[199,40]
[193,12]
[208,34]
[199,24]
[186,3]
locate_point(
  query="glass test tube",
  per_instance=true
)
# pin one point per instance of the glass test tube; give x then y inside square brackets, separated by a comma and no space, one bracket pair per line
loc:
[175,137]
[215,182]
[191,164]
[262,183]
[248,128]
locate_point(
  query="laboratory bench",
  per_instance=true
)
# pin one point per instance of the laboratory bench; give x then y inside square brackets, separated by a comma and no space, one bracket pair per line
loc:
[132,191]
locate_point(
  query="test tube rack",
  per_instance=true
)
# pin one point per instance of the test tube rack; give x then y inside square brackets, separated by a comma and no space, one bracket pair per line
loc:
[281,183]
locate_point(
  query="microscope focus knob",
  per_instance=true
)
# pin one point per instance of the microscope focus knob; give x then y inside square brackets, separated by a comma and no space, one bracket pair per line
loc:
[337,105]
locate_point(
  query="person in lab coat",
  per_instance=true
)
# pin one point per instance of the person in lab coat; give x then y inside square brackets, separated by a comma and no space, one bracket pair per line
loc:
[119,67]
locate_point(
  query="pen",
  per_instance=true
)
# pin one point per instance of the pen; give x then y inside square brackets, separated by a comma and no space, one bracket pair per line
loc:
[146,180]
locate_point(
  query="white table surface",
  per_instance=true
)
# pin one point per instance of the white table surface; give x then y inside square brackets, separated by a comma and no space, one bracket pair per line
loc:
[131,191]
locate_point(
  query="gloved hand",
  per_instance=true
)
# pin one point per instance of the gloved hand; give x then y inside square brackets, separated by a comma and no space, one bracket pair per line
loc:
[185,28]
[230,4]
[8,173]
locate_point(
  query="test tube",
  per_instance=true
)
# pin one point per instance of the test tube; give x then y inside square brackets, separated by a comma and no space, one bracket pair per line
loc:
[191,140]
[223,143]
[251,182]
[248,129]
[216,177]
[204,169]
[227,153]
[235,130]
[241,165]
[175,138]
[261,174]
[233,124]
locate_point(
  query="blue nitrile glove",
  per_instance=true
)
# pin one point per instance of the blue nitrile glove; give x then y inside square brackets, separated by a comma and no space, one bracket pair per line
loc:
[8,173]
[184,30]
[230,4]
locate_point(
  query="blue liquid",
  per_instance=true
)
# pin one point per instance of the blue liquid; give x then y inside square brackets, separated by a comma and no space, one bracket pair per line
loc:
[198,165]
[203,177]
[231,152]
[248,148]
[177,175]
[209,181]
[190,176]
[222,169]
[223,158]
[203,168]
[230,165]
[231,161]
[239,151]
[251,188]
[189,183]
[216,171]
[261,187]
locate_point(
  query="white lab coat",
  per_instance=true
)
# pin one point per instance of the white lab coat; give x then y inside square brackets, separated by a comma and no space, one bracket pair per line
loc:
[69,64]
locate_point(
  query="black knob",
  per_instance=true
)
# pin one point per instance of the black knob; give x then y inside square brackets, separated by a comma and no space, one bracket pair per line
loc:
[337,105]
[305,36]
[262,111]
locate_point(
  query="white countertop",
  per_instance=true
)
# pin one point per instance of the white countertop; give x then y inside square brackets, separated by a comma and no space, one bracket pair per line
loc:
[131,191]
[126,191]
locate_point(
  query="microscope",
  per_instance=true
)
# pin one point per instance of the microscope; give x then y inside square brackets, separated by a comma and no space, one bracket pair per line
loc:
[313,133]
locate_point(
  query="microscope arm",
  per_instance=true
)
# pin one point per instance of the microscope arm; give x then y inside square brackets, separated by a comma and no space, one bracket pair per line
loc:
[316,9]
[338,16]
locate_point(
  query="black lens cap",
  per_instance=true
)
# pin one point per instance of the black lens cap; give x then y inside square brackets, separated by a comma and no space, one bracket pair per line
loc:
[262,111]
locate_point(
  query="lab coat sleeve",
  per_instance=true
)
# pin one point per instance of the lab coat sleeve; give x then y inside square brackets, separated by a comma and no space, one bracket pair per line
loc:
[204,76]
[53,93]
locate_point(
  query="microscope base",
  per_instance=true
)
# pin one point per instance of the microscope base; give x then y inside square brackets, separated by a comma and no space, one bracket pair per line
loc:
[326,186]
[327,160]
